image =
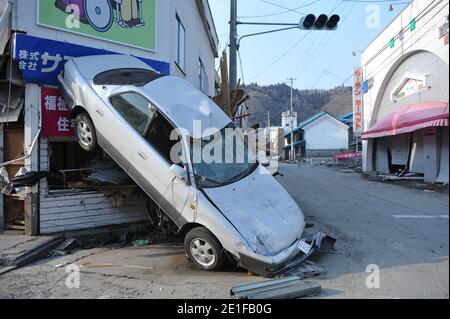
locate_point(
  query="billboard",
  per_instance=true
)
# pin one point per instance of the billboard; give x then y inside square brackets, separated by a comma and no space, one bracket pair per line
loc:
[129,22]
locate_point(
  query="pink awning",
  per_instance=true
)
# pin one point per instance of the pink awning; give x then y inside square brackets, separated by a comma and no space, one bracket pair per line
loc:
[409,119]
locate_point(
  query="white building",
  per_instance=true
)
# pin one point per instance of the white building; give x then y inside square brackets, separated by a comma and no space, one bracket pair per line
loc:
[405,112]
[176,37]
[322,136]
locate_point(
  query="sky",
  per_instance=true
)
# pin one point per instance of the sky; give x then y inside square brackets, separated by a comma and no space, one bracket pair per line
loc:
[316,59]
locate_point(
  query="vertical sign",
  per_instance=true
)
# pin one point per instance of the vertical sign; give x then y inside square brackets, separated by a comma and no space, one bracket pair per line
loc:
[358,96]
[56,117]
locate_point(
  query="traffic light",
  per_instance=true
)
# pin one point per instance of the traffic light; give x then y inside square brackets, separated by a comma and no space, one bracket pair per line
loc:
[323,22]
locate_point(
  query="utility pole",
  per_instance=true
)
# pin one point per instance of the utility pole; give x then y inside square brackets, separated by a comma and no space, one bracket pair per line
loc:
[268,119]
[233,45]
[292,118]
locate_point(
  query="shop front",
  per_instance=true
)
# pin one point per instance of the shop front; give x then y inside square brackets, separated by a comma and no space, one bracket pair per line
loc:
[406,112]
[49,184]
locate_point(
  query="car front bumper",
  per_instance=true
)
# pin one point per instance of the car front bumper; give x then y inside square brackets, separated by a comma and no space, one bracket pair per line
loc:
[287,259]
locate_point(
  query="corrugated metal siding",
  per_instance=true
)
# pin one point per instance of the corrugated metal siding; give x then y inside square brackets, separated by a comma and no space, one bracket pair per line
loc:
[59,213]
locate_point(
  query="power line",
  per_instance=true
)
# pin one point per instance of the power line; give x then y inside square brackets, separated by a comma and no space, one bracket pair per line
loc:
[282,7]
[282,56]
[280,13]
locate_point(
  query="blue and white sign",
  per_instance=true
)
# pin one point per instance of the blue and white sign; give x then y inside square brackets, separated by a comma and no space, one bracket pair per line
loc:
[42,60]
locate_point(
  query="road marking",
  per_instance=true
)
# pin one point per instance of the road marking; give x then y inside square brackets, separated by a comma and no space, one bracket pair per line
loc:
[422,216]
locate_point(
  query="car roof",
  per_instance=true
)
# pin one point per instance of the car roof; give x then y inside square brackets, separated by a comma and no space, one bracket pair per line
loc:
[186,106]
[90,66]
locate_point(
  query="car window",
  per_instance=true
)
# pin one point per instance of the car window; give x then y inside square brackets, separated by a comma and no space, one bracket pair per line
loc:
[159,137]
[136,109]
[138,77]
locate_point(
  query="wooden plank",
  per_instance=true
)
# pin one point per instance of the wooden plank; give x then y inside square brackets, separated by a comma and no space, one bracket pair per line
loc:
[83,202]
[66,197]
[91,203]
[48,229]
[104,218]
[97,211]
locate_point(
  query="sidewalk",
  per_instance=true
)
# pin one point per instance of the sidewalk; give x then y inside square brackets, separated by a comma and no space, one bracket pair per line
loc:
[19,250]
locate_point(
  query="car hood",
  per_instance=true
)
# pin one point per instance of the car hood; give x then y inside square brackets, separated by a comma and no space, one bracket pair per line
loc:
[262,211]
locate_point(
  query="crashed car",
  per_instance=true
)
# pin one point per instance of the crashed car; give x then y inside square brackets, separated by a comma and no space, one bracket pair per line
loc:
[234,209]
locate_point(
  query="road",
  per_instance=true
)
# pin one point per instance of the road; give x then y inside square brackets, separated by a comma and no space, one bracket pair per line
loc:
[403,231]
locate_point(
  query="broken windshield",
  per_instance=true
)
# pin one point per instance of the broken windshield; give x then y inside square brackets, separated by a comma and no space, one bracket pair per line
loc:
[221,159]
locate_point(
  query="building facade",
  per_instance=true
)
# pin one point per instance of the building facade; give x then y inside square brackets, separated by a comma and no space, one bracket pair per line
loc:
[321,136]
[175,37]
[406,93]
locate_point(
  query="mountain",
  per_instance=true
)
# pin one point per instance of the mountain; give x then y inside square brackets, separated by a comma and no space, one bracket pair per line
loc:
[276,99]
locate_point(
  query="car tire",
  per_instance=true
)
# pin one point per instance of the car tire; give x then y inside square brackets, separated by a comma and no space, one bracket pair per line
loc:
[85,132]
[203,249]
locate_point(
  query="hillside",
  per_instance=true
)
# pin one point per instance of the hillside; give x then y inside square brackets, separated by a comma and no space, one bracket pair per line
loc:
[276,99]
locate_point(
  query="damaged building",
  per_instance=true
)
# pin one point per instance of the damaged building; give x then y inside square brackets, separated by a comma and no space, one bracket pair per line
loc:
[405,110]
[49,184]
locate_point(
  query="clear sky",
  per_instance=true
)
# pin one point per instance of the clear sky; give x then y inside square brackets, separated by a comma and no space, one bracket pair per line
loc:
[317,59]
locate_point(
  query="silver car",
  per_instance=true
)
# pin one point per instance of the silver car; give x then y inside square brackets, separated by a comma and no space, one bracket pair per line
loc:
[232,209]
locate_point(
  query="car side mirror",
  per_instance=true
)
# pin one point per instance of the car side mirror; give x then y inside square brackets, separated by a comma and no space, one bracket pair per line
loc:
[178,172]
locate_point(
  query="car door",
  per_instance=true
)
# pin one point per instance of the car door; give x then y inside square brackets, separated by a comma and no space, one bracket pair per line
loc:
[114,123]
[150,166]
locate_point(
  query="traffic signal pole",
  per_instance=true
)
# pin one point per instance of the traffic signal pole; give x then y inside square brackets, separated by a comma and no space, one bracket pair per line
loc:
[233,45]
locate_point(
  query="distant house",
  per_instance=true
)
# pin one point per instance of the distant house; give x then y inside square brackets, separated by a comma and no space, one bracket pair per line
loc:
[322,135]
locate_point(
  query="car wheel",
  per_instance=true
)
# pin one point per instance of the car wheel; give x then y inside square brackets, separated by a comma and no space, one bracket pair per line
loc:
[85,132]
[203,248]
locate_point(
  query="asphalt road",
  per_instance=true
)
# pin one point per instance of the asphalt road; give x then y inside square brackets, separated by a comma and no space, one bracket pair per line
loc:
[403,231]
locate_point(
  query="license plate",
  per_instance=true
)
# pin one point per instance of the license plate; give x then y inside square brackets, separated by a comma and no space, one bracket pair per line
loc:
[304,247]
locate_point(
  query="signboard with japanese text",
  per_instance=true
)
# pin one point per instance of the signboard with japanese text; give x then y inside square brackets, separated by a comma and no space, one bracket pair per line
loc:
[42,60]
[130,22]
[358,101]
[56,118]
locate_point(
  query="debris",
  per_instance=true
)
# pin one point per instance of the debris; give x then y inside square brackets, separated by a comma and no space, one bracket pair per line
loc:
[141,243]
[64,248]
[306,270]
[113,176]
[285,288]
[387,178]
[27,179]
[320,243]
[85,264]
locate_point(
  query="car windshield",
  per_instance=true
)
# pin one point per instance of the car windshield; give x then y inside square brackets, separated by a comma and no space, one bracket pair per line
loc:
[223,158]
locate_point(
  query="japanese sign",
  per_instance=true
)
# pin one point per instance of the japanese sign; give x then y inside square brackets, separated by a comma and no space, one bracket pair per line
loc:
[42,60]
[56,119]
[131,22]
[358,98]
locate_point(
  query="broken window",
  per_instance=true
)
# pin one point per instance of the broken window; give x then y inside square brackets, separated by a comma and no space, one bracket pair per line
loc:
[68,164]
[158,135]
